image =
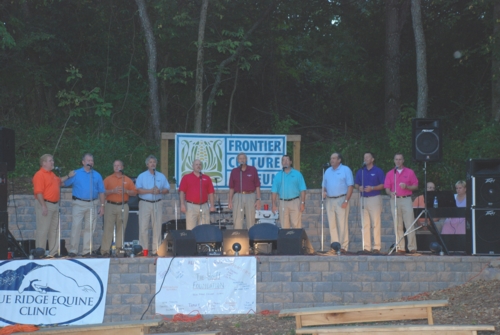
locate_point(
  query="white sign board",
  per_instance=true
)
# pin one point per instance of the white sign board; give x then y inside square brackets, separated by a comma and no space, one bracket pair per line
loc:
[209,285]
[50,292]
[218,154]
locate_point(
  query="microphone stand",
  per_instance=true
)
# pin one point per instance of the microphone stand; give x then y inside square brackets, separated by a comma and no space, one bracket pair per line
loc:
[153,226]
[218,200]
[175,204]
[241,195]
[362,206]
[91,191]
[325,166]
[200,214]
[395,213]
[123,214]
[59,217]
[282,200]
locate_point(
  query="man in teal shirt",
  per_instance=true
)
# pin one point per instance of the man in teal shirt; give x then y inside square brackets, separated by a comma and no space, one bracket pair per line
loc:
[289,184]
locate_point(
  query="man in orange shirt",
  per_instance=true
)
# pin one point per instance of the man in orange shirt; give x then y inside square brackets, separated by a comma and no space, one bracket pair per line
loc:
[118,188]
[47,190]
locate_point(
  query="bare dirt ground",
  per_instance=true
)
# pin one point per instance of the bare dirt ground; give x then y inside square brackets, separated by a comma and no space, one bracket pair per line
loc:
[476,302]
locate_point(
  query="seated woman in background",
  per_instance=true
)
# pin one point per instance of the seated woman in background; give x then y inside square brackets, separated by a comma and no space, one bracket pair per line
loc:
[457,225]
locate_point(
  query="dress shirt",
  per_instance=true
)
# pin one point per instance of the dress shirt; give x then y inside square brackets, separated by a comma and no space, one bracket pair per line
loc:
[337,181]
[81,184]
[373,177]
[294,184]
[147,180]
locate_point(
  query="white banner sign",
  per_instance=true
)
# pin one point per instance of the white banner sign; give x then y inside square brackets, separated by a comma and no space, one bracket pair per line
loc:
[218,154]
[43,292]
[209,285]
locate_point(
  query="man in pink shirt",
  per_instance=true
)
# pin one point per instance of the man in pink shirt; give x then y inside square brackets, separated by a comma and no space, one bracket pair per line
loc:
[399,184]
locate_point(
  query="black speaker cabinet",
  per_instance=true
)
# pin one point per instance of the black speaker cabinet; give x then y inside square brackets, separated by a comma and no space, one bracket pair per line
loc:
[294,242]
[483,183]
[7,148]
[231,236]
[178,243]
[132,230]
[4,246]
[483,232]
[3,187]
[426,140]
[166,227]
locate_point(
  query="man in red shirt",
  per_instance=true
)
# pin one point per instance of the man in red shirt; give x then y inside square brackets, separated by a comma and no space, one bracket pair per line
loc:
[244,181]
[399,184]
[195,190]
[118,188]
[47,190]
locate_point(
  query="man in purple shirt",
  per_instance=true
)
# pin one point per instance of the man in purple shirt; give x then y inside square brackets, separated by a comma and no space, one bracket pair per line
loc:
[399,184]
[244,184]
[370,181]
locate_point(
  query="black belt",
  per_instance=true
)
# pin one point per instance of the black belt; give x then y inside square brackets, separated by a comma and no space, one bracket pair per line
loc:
[289,199]
[52,202]
[369,196]
[247,192]
[403,196]
[151,201]
[337,197]
[116,203]
[75,198]
[194,203]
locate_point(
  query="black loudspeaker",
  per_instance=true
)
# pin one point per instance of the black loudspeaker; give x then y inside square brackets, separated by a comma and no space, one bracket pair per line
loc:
[232,236]
[166,227]
[426,140]
[483,232]
[208,239]
[3,187]
[294,242]
[483,183]
[7,148]
[178,243]
[4,242]
[132,230]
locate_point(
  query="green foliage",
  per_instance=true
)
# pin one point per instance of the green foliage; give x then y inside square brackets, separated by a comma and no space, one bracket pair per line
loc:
[283,126]
[6,39]
[175,75]
[86,100]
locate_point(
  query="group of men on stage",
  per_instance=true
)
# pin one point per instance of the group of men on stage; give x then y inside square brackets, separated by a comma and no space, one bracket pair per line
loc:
[196,193]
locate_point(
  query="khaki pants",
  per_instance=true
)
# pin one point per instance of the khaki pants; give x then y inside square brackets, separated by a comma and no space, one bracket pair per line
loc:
[112,217]
[195,217]
[290,214]
[243,205]
[405,214]
[371,219]
[82,214]
[150,212]
[47,227]
[337,221]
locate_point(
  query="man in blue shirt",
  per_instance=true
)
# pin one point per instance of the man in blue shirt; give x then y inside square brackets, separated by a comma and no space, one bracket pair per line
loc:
[337,189]
[289,184]
[151,186]
[88,193]
[370,181]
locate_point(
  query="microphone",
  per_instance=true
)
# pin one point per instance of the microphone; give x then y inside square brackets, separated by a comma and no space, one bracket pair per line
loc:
[91,167]
[120,171]
[326,165]
[201,174]
[57,168]
[154,171]
[284,167]
[362,166]
[395,169]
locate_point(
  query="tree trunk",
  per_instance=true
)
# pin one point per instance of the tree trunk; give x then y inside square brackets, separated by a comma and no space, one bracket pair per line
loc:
[155,134]
[495,64]
[198,103]
[418,30]
[394,21]
[231,100]
[227,61]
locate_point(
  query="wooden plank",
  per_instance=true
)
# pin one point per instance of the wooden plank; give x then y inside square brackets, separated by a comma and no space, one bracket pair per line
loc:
[398,329]
[135,327]
[168,136]
[430,319]
[208,332]
[364,316]
[296,155]
[362,307]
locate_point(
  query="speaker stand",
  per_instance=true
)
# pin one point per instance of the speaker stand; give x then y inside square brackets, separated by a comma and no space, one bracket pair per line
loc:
[14,245]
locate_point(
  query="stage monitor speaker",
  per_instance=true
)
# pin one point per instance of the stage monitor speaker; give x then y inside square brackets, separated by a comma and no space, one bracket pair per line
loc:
[483,232]
[178,243]
[168,226]
[263,238]
[208,239]
[483,183]
[294,242]
[231,236]
[132,230]
[8,148]
[4,246]
[3,187]
[426,140]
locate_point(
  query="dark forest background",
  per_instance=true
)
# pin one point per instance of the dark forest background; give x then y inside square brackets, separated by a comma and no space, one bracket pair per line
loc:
[108,76]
